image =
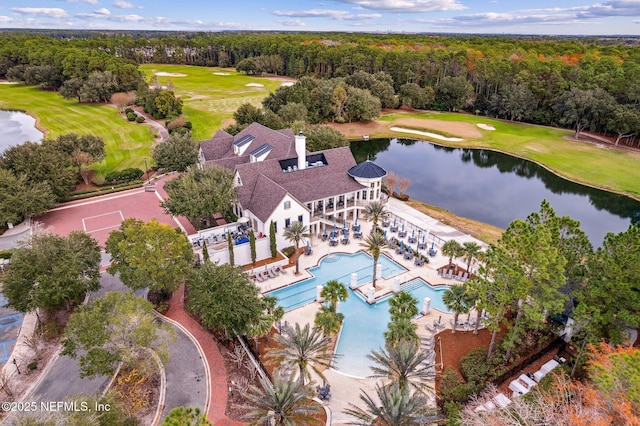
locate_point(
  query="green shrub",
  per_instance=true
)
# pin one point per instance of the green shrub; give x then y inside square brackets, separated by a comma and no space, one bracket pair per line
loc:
[288,251]
[124,175]
[452,386]
[131,116]
[477,370]
[128,111]
[453,411]
[139,119]
[6,254]
[33,365]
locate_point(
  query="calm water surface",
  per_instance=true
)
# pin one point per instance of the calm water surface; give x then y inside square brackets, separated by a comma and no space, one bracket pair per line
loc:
[17,128]
[496,188]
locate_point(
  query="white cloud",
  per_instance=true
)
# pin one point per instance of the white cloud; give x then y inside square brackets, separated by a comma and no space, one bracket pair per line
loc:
[82,1]
[5,19]
[123,4]
[408,5]
[52,12]
[338,15]
[102,11]
[292,23]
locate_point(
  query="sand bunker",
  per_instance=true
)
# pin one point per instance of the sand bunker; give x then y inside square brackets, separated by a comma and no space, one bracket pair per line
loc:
[221,73]
[170,74]
[287,83]
[427,134]
[9,82]
[485,126]
[254,85]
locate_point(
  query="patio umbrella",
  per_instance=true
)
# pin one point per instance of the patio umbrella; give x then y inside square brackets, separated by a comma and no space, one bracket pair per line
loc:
[384,234]
[358,229]
[356,223]
[413,233]
[402,244]
[402,227]
[344,224]
[325,229]
[394,223]
[433,243]
[423,239]
[308,244]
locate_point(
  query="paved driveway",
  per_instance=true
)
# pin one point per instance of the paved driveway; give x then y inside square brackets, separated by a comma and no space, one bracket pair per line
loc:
[185,371]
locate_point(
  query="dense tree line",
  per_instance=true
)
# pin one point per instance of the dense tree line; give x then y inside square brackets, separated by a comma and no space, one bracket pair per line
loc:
[584,83]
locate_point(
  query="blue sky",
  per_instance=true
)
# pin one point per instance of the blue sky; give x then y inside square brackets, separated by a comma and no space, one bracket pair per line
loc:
[584,17]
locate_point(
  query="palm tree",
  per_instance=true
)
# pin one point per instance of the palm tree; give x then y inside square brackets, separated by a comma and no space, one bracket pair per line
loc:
[328,322]
[375,212]
[394,406]
[334,291]
[457,299]
[303,349]
[405,364]
[373,244]
[400,329]
[287,402]
[451,248]
[471,250]
[403,305]
[295,233]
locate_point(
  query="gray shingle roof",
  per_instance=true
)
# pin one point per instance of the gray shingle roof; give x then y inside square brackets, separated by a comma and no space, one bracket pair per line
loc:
[367,170]
[264,182]
[221,145]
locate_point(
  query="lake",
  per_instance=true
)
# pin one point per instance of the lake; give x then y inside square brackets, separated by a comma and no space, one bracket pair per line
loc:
[17,128]
[496,188]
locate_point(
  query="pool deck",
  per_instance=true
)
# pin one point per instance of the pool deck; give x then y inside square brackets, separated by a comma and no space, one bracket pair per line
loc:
[346,389]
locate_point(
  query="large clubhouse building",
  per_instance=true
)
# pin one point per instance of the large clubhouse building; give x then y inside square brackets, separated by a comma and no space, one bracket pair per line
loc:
[277,180]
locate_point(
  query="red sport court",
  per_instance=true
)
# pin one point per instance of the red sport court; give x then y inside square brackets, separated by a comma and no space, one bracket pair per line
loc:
[100,215]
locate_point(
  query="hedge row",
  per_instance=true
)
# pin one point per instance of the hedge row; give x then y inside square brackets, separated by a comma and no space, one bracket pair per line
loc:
[125,175]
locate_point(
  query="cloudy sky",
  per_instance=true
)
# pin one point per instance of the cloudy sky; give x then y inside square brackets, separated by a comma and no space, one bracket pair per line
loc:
[459,16]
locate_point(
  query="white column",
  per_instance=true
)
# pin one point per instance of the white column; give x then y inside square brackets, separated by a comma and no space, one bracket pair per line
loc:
[338,306]
[396,285]
[371,295]
[426,306]
[318,291]
[379,270]
[354,281]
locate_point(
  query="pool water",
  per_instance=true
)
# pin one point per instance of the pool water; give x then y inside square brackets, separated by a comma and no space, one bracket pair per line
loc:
[364,325]
[339,267]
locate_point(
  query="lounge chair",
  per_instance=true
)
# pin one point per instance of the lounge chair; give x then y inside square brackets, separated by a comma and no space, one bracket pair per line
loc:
[281,268]
[333,242]
[345,241]
[430,328]
[308,251]
[271,274]
[259,277]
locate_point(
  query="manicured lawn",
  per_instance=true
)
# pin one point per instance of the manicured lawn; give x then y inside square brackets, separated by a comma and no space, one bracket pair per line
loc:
[126,143]
[211,94]
[612,169]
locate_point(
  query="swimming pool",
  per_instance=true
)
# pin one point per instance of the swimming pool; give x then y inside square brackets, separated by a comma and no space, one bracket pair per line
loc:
[338,266]
[364,325]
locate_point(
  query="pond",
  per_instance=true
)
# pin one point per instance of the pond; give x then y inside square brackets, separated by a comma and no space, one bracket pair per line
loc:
[17,128]
[496,188]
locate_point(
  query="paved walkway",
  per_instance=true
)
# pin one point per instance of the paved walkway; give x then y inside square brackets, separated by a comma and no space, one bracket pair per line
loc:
[213,358]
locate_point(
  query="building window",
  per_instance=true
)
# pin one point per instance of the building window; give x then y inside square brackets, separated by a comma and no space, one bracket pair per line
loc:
[373,185]
[371,195]
[364,195]
[300,218]
[275,227]
[287,205]
[287,222]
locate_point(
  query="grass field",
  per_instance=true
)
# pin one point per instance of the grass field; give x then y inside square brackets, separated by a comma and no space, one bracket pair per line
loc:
[208,100]
[126,143]
[211,95]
